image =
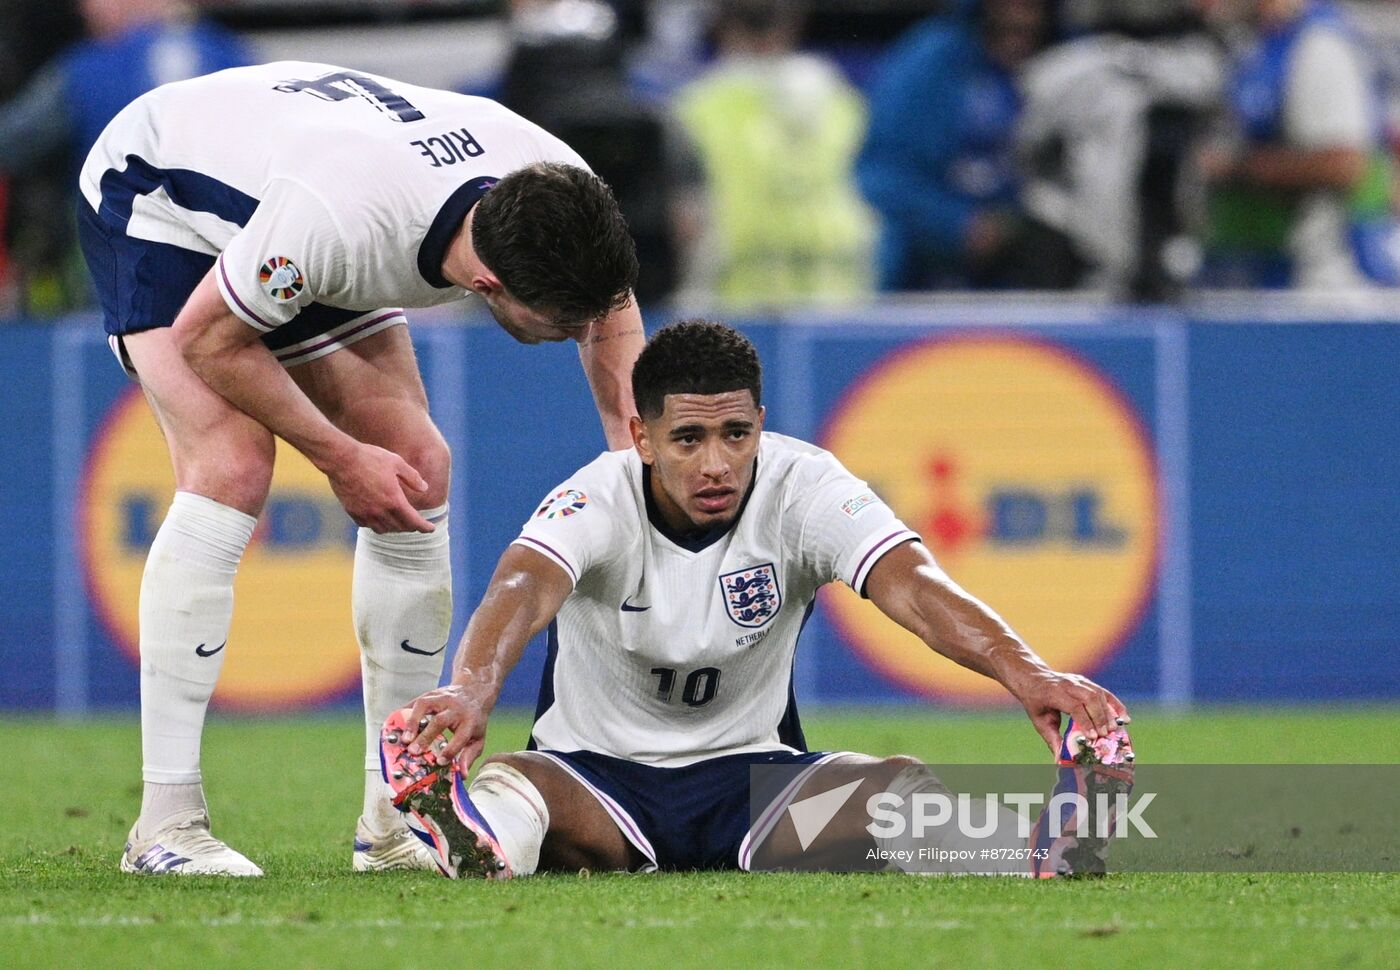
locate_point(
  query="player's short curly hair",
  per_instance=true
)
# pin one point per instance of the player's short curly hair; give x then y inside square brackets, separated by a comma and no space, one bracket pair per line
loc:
[555,237]
[694,357]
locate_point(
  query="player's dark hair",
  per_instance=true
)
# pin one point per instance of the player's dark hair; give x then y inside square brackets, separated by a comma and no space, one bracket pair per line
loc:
[554,236]
[694,357]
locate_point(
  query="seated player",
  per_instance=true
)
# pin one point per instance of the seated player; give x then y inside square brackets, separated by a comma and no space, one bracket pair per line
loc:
[674,579]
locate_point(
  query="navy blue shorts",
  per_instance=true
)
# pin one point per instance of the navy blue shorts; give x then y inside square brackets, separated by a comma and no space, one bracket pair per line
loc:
[696,817]
[142,285]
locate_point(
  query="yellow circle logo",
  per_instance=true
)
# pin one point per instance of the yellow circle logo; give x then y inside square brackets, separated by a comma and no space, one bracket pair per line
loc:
[1031,479]
[292,640]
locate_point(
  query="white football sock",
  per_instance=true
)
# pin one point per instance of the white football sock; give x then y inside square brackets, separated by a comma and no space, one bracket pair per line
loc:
[402,605]
[378,813]
[186,607]
[160,802]
[516,812]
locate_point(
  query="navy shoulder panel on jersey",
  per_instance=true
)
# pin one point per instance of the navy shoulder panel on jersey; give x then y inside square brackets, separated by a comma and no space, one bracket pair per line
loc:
[444,227]
[186,188]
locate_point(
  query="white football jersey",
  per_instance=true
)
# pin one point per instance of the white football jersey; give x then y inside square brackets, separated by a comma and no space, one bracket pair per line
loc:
[671,651]
[309,182]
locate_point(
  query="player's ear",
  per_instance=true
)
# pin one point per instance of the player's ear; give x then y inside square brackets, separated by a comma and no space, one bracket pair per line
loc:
[640,439]
[762,413]
[486,284]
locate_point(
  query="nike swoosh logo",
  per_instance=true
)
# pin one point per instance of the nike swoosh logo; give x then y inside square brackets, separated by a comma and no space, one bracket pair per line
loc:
[408,648]
[209,653]
[629,608]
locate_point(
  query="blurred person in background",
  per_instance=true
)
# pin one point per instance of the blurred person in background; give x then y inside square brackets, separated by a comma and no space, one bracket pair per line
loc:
[566,72]
[670,48]
[938,160]
[1111,121]
[131,47]
[31,32]
[1303,187]
[770,213]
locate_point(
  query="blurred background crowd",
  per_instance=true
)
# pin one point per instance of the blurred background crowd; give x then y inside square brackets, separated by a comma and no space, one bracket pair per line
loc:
[779,152]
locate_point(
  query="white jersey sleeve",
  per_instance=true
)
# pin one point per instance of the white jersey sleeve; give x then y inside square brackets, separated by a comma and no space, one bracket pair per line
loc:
[842,527]
[577,525]
[290,252]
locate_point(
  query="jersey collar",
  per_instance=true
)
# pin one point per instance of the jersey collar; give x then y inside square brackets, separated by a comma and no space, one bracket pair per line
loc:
[696,542]
[433,249]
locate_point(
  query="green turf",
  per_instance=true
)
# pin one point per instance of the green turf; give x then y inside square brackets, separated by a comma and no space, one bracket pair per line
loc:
[286,792]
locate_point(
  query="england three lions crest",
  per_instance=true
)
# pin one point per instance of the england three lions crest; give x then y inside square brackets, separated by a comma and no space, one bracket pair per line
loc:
[751,595]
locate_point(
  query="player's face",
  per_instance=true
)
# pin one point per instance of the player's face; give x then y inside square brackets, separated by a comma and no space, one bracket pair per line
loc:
[701,451]
[527,325]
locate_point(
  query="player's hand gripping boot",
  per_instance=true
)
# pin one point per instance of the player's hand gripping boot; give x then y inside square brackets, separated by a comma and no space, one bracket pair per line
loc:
[439,808]
[1099,772]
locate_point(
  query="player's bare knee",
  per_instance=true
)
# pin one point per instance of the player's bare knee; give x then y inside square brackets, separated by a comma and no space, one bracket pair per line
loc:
[432,459]
[581,834]
[874,775]
[417,441]
[232,467]
[513,758]
[532,766]
[901,761]
[246,492]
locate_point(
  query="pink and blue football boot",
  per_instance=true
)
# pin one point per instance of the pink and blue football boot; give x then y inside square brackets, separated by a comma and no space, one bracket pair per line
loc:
[1098,771]
[439,808]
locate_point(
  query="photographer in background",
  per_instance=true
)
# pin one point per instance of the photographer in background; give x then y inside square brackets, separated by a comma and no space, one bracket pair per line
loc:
[1110,123]
[1303,185]
[938,161]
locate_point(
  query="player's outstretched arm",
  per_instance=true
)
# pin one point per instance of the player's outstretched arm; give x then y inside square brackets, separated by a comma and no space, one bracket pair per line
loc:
[525,593]
[608,349]
[910,588]
[227,354]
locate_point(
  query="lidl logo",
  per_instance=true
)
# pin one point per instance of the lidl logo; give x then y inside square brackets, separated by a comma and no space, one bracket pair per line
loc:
[1032,480]
[292,640]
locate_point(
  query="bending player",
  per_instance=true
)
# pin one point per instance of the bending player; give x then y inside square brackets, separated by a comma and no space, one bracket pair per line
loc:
[252,235]
[674,579]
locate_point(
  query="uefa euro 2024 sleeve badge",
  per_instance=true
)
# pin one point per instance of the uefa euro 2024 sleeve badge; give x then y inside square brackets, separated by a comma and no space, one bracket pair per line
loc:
[281,279]
[568,502]
[751,596]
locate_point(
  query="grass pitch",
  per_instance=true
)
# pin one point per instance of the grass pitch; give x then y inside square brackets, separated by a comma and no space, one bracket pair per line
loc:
[286,792]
